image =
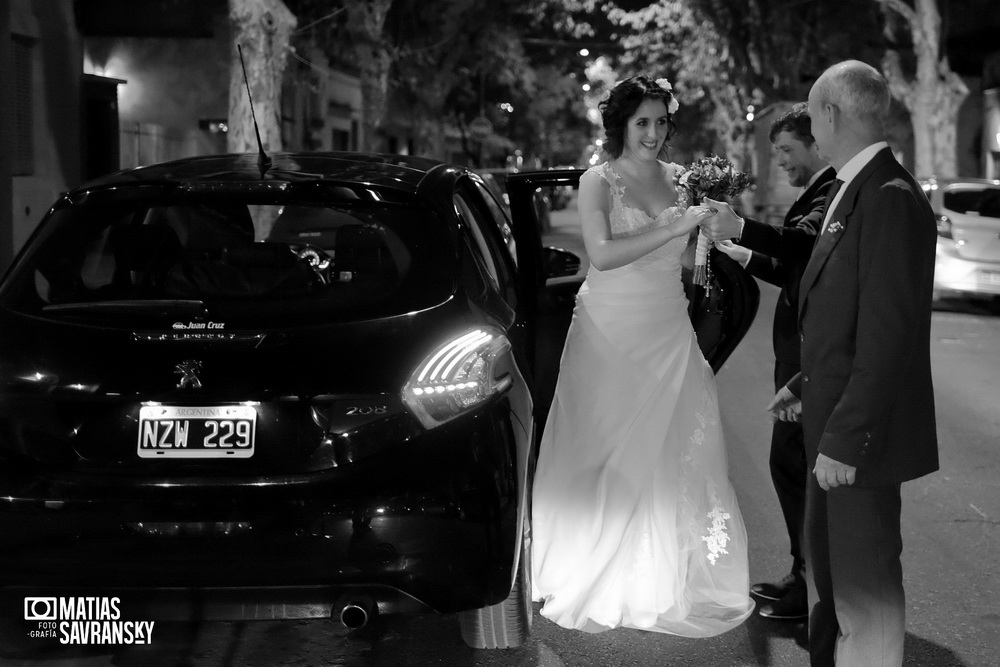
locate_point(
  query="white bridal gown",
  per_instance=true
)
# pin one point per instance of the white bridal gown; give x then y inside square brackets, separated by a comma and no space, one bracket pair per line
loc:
[635,522]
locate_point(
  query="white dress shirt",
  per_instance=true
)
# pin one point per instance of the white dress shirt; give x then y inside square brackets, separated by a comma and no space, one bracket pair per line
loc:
[849,171]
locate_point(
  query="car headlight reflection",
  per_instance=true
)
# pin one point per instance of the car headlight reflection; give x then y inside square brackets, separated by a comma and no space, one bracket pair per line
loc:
[457,376]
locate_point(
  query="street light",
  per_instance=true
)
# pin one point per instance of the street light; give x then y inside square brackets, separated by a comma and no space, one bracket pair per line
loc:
[584,52]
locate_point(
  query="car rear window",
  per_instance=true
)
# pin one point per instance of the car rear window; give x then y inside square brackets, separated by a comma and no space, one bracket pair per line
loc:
[263,265]
[984,201]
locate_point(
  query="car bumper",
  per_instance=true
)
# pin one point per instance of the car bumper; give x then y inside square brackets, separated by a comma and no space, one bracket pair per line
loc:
[959,275]
[431,524]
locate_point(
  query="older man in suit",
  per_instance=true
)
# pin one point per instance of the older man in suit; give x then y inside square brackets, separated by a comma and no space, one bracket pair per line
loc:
[867,402]
[778,254]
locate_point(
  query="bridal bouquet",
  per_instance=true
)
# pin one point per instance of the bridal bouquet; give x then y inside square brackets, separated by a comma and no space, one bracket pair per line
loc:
[713,177]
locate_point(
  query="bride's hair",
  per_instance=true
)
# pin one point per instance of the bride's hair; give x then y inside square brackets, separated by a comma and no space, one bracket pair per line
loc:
[622,102]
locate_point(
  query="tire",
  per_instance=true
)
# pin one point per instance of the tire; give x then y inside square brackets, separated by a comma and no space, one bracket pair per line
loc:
[507,624]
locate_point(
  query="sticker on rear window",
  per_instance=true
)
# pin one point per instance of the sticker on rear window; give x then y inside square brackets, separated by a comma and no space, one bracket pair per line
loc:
[199,325]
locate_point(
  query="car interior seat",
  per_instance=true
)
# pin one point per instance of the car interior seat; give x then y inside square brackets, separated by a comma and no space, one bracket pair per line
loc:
[144,254]
[361,254]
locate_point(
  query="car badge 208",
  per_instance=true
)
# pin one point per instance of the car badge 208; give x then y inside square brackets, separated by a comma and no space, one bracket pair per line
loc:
[188,370]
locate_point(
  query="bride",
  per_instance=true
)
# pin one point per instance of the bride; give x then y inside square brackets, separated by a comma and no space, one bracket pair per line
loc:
[635,523]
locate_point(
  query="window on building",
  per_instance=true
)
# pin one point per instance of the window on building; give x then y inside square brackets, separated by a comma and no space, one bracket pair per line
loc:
[341,140]
[24,145]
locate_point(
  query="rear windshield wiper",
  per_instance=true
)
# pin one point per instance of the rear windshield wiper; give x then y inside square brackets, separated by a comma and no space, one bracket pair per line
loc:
[164,307]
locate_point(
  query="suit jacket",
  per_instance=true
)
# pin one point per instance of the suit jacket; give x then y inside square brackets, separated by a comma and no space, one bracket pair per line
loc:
[780,255]
[865,320]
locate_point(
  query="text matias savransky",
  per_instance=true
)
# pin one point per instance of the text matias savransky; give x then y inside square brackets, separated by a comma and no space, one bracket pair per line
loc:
[84,621]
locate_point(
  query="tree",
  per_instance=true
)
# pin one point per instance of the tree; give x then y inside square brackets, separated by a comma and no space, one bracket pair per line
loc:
[693,45]
[729,54]
[509,60]
[449,50]
[374,56]
[935,93]
[263,29]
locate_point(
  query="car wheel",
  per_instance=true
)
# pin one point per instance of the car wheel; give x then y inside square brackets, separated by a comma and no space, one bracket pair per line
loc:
[507,624]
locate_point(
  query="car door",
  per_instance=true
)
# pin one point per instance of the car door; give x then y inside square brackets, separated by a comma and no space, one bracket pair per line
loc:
[549,281]
[974,212]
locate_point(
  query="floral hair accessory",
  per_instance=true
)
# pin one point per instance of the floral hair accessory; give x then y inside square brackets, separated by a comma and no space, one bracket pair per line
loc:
[673,105]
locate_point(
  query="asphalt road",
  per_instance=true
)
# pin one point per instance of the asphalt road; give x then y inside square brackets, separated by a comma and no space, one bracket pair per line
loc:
[951,532]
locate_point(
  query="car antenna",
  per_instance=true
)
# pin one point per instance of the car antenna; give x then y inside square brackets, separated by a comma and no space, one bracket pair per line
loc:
[263,161]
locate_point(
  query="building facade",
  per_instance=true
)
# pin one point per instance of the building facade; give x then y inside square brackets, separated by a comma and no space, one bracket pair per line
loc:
[93,86]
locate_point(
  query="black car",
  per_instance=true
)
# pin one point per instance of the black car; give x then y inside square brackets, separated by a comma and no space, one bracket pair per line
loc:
[317,389]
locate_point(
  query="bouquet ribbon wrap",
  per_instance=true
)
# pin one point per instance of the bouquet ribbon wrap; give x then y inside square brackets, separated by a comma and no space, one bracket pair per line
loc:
[701,271]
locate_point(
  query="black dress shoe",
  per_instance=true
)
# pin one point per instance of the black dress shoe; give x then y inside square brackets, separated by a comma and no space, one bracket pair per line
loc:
[778,589]
[792,607]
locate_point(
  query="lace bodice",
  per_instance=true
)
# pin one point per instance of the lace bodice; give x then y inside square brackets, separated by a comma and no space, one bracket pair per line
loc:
[628,220]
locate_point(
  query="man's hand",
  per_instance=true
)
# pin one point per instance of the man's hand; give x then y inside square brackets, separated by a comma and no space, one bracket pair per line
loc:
[725,224]
[830,473]
[736,252]
[785,406]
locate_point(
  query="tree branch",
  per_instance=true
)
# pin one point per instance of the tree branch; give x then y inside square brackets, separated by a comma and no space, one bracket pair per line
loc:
[901,89]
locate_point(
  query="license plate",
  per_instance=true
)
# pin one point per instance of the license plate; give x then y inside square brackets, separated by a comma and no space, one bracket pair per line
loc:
[991,277]
[180,432]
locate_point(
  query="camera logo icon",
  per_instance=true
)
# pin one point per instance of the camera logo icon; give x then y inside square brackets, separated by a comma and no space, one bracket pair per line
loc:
[40,609]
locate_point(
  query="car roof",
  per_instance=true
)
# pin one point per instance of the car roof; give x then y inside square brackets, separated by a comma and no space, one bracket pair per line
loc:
[939,182]
[395,171]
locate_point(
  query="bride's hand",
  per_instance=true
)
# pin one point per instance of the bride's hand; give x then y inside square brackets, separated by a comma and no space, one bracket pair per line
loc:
[693,217]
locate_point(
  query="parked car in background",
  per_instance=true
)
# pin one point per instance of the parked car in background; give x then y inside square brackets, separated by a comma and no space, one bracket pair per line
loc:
[314,391]
[968,247]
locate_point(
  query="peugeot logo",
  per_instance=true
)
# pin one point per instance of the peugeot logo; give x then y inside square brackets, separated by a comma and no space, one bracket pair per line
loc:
[188,370]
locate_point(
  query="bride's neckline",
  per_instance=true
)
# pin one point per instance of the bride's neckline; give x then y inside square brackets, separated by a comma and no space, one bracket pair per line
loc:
[621,197]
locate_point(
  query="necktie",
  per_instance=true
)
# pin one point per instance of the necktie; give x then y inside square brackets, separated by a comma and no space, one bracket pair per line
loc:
[831,194]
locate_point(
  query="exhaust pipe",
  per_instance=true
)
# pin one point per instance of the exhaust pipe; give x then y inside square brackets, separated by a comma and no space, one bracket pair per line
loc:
[357,613]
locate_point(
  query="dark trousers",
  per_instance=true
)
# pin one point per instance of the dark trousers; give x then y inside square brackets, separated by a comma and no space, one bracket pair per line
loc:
[855,578]
[789,473]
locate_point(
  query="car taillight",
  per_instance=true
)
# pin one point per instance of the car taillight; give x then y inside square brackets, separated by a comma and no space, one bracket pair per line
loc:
[944,227]
[457,376]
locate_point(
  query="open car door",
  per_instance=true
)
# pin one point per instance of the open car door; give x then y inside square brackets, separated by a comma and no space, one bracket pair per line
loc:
[550,278]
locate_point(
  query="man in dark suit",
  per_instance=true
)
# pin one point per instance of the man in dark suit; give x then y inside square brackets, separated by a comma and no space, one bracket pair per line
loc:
[867,402]
[778,255]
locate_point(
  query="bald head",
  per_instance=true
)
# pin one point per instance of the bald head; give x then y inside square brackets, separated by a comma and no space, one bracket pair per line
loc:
[848,108]
[858,90]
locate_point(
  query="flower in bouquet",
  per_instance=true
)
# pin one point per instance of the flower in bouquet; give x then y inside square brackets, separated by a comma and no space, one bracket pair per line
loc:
[713,177]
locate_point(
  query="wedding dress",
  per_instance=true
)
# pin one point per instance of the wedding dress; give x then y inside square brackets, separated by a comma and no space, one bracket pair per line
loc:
[635,523]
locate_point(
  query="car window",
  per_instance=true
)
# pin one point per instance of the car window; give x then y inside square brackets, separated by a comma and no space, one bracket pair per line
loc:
[983,201]
[502,220]
[488,257]
[268,264]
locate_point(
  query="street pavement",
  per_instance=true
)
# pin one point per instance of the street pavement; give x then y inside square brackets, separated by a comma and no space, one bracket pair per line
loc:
[951,532]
